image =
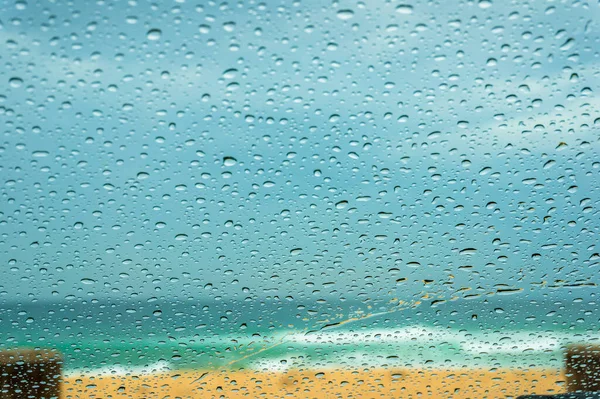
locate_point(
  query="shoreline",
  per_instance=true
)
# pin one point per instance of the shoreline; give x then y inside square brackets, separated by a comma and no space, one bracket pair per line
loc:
[317,383]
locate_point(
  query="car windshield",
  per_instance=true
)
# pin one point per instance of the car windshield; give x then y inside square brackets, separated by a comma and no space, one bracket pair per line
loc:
[300,198]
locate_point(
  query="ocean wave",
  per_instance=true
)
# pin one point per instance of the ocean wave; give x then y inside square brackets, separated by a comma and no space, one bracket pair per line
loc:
[409,346]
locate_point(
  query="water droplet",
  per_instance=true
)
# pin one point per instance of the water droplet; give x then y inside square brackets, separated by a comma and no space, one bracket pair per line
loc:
[485,171]
[568,44]
[549,164]
[229,161]
[483,4]
[230,73]
[341,204]
[15,82]
[405,9]
[345,14]
[154,34]
[229,26]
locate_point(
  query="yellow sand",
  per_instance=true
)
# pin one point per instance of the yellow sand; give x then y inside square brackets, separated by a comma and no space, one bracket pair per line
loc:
[368,383]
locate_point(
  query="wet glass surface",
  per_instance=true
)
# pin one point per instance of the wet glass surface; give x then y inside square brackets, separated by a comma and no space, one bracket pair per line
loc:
[303,189]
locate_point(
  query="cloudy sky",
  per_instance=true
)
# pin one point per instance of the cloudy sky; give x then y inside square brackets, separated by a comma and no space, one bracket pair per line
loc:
[298,149]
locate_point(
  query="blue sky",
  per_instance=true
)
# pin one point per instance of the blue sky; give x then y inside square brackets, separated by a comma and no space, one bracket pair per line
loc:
[308,150]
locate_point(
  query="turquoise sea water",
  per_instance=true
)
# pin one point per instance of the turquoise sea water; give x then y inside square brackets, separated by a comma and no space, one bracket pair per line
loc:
[148,336]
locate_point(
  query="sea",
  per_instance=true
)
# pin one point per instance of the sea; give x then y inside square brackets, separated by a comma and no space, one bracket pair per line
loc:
[276,334]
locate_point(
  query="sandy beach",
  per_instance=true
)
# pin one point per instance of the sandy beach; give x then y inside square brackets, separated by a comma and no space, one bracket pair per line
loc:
[367,383]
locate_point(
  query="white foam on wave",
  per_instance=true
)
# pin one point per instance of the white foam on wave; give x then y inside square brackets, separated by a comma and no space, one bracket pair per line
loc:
[119,370]
[523,342]
[472,341]
[514,346]
[383,336]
